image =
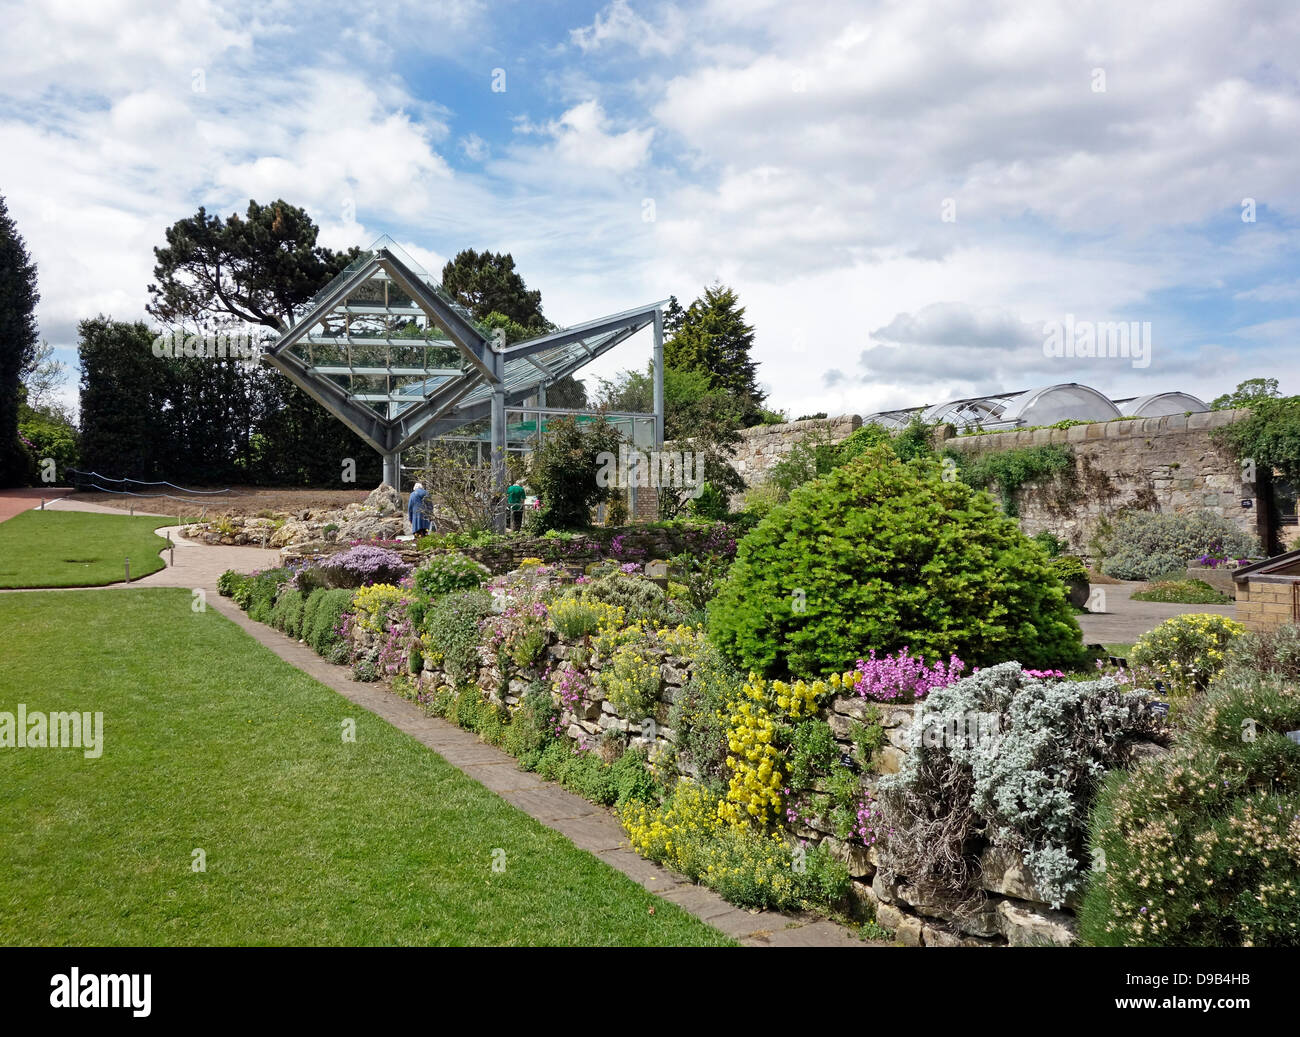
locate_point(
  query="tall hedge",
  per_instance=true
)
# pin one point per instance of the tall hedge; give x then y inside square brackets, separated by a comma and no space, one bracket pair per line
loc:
[887,554]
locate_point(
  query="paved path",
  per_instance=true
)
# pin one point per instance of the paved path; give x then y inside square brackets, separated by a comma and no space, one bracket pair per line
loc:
[589,827]
[1125,620]
[14,502]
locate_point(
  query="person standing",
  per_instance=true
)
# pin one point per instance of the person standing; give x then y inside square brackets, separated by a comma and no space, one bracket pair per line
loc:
[515,502]
[415,510]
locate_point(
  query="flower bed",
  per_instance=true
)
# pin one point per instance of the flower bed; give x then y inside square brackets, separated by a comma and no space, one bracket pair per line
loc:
[767,790]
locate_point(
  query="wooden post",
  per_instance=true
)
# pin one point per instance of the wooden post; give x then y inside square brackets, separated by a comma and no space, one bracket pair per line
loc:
[128,570]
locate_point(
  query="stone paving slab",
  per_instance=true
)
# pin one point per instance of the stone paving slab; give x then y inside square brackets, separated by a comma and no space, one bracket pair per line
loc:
[1125,620]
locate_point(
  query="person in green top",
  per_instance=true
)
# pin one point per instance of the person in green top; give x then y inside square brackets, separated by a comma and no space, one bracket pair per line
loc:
[515,502]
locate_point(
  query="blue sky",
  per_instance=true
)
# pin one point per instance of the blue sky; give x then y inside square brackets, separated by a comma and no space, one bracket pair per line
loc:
[903,194]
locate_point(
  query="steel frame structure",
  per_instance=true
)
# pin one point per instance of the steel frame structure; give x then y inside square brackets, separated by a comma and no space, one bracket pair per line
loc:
[420,400]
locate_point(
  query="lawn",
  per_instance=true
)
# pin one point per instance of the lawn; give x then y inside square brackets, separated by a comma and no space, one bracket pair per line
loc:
[212,742]
[77,549]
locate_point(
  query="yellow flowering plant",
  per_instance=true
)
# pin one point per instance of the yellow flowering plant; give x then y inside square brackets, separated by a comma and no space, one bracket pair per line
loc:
[1187,651]
[757,727]
[372,606]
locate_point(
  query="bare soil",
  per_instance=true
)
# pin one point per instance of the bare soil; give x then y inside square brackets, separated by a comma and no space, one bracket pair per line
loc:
[241,500]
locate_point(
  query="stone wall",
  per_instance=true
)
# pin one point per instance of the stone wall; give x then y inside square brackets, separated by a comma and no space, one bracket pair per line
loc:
[1011,912]
[1169,463]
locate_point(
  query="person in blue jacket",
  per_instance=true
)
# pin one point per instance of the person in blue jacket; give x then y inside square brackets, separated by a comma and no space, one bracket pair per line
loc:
[415,512]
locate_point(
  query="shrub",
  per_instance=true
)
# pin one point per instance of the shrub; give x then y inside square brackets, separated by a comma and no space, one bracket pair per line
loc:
[1275,651]
[882,554]
[565,468]
[322,618]
[532,726]
[574,618]
[1144,545]
[639,598]
[363,565]
[260,592]
[228,581]
[903,677]
[1187,651]
[1024,781]
[376,604]
[745,867]
[445,573]
[1069,569]
[452,629]
[288,612]
[1053,546]
[1182,592]
[702,575]
[1201,847]
[631,682]
[697,715]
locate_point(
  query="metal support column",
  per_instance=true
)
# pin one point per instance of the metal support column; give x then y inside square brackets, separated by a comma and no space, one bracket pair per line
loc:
[659,379]
[393,470]
[498,434]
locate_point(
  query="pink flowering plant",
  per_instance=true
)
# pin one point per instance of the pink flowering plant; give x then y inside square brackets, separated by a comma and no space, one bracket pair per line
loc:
[903,677]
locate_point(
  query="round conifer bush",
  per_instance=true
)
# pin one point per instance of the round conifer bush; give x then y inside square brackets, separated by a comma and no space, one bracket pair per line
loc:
[888,554]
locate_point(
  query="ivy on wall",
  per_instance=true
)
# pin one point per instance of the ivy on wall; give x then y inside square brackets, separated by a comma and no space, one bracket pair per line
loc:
[1009,470]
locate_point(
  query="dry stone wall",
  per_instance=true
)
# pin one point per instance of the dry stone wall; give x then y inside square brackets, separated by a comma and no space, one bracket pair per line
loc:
[1012,912]
[1168,463]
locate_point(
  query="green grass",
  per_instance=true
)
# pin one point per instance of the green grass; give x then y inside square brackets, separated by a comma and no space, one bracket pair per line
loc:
[1182,592]
[212,742]
[77,548]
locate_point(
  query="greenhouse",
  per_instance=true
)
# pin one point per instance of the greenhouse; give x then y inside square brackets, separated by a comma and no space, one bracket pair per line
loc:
[394,357]
[1067,401]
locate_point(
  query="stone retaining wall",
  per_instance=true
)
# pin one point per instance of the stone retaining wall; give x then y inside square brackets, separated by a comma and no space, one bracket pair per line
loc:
[1169,463]
[1012,911]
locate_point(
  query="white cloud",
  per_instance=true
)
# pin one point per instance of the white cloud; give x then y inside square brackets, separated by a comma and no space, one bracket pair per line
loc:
[800,153]
[618,23]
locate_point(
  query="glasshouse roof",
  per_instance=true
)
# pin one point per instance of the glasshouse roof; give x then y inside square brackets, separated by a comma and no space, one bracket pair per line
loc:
[391,354]
[1043,406]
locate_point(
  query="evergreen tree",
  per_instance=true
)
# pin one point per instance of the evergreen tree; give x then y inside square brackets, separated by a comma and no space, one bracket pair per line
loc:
[713,338]
[258,268]
[126,422]
[487,282]
[18,340]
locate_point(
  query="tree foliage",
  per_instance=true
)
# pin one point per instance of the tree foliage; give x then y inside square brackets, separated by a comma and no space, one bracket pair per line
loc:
[563,471]
[18,338]
[712,337]
[1247,394]
[883,554]
[487,282]
[1270,437]
[257,268]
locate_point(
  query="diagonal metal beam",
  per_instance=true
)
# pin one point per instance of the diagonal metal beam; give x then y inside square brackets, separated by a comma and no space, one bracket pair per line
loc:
[361,420]
[413,424]
[473,346]
[642,317]
[322,309]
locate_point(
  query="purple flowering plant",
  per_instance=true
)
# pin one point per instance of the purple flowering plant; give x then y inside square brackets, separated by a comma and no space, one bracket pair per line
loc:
[903,677]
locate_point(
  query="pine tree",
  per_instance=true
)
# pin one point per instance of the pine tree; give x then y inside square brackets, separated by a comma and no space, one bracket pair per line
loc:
[713,338]
[18,340]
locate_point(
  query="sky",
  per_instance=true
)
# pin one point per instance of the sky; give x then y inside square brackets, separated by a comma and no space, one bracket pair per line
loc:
[906,196]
